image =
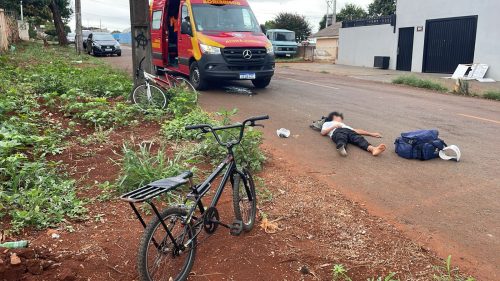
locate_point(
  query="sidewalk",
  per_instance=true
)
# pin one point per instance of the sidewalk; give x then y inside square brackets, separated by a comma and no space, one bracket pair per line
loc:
[385,75]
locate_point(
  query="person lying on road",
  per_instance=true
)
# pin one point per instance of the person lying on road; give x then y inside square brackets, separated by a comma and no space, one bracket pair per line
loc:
[342,134]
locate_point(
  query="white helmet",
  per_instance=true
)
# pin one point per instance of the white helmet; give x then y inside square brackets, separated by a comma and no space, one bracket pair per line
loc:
[450,152]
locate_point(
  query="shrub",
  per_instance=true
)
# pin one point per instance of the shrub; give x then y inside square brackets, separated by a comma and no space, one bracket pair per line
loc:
[36,193]
[175,129]
[419,83]
[492,95]
[140,165]
[181,102]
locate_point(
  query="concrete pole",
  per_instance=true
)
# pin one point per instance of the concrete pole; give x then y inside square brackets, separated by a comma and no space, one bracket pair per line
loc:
[334,17]
[141,38]
[78,29]
[22,14]
[327,12]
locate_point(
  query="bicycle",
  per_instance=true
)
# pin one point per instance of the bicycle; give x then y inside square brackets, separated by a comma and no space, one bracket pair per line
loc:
[151,92]
[168,245]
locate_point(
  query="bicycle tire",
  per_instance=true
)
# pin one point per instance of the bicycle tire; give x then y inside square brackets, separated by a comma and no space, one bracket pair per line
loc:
[183,82]
[142,258]
[158,97]
[239,195]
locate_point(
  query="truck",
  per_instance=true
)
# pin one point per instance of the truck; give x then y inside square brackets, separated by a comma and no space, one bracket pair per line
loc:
[210,40]
[283,42]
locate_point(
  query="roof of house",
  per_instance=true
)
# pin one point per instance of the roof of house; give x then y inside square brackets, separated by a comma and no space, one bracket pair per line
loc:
[329,32]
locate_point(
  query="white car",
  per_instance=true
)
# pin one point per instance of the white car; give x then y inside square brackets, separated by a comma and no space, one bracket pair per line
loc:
[71,38]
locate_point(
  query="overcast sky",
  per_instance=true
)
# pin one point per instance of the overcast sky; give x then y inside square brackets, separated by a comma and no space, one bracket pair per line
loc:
[114,15]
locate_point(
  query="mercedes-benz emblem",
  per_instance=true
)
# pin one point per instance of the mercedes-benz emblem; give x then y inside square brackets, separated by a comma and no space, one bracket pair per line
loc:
[247,54]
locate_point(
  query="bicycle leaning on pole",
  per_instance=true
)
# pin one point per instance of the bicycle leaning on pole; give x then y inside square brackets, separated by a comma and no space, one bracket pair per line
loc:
[168,246]
[151,93]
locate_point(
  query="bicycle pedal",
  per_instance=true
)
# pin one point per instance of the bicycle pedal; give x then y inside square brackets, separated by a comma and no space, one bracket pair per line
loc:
[236,228]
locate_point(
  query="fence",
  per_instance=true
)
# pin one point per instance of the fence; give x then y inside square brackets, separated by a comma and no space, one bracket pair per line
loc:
[9,32]
[370,21]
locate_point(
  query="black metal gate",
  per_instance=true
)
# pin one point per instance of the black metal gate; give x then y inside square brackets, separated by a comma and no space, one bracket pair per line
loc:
[405,48]
[448,43]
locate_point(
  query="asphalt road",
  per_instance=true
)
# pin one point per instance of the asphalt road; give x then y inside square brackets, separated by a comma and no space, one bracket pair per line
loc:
[452,207]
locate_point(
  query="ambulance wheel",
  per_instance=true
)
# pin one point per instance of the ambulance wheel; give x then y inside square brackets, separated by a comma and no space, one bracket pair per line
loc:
[196,78]
[261,83]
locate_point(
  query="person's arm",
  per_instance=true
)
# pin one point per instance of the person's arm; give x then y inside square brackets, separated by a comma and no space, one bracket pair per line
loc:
[366,133]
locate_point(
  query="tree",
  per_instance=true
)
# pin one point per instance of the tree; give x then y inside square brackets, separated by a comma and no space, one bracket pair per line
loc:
[322,23]
[294,22]
[380,8]
[269,24]
[41,11]
[351,12]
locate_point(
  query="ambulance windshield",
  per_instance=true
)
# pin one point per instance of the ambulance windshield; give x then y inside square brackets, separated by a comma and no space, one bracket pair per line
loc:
[229,18]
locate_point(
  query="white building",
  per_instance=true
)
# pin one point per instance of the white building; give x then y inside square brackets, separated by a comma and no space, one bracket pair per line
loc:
[427,36]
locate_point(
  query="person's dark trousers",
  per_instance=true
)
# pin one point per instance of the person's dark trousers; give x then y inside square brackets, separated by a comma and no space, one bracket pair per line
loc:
[343,136]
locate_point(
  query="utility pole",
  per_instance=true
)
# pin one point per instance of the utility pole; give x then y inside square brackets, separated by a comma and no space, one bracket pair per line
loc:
[78,30]
[333,5]
[141,39]
[22,14]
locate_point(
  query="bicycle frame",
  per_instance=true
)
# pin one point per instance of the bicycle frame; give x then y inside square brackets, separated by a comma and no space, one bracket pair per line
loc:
[199,191]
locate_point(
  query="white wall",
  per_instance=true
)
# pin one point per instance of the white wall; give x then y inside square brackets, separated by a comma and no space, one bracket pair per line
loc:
[359,45]
[415,13]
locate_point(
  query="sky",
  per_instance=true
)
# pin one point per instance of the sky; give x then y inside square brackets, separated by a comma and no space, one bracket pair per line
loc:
[114,15]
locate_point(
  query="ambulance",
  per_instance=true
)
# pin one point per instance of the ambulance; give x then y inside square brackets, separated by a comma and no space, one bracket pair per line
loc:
[210,40]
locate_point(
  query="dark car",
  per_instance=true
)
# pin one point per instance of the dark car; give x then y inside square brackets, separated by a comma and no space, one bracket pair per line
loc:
[102,43]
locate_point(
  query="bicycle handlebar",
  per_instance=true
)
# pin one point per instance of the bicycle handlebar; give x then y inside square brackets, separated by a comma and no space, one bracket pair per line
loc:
[206,128]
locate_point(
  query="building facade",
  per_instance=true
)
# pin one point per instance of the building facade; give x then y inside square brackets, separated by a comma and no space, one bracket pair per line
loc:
[429,36]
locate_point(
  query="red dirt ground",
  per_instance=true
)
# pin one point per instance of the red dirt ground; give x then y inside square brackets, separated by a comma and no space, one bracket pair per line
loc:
[318,227]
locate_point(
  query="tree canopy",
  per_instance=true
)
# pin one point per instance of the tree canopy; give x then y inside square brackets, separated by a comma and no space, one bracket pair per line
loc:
[322,22]
[294,22]
[351,12]
[382,8]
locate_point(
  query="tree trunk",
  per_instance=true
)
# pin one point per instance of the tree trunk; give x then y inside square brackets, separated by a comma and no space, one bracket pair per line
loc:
[58,23]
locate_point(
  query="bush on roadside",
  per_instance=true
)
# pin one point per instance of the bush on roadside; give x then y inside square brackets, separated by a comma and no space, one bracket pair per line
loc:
[36,193]
[175,129]
[419,83]
[141,164]
[492,95]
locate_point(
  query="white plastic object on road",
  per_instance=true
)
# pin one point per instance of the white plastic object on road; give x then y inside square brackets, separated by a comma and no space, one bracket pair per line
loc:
[451,152]
[283,133]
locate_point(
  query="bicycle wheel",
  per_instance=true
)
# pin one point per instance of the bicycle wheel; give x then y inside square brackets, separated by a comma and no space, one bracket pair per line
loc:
[155,99]
[186,86]
[244,208]
[164,262]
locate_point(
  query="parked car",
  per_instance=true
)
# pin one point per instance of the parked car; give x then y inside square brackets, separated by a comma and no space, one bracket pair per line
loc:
[102,43]
[283,42]
[71,38]
[85,35]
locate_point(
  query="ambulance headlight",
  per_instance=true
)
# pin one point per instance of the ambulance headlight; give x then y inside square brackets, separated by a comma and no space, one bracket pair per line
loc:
[211,50]
[270,49]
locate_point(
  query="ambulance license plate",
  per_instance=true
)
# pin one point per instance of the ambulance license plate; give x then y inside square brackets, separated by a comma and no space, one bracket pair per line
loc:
[247,76]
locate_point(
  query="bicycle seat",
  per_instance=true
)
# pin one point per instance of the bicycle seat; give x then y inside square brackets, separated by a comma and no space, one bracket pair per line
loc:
[156,188]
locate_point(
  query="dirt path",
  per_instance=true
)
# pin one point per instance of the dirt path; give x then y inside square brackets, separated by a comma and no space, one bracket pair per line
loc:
[318,228]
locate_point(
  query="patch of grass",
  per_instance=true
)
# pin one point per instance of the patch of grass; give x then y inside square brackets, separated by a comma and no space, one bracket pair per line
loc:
[492,95]
[441,273]
[293,59]
[419,83]
[141,165]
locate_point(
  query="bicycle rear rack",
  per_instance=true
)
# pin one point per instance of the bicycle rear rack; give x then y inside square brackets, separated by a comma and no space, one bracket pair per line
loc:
[152,190]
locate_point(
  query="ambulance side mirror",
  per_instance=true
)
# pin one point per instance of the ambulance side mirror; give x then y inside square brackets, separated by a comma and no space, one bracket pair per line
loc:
[186,28]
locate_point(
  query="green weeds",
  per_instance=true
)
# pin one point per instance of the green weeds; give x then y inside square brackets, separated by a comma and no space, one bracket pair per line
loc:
[419,83]
[492,95]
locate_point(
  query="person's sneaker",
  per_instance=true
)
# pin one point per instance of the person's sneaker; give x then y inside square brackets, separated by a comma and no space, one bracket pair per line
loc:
[342,151]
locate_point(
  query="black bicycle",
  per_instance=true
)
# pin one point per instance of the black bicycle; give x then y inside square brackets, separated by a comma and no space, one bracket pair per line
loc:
[168,246]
